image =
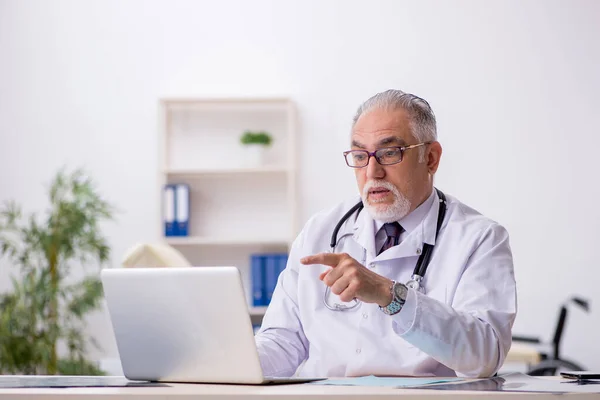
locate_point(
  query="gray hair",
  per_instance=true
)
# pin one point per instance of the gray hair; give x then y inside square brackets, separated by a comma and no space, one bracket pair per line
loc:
[422,119]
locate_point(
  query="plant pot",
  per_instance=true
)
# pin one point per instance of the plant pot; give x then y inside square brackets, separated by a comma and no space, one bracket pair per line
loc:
[254,155]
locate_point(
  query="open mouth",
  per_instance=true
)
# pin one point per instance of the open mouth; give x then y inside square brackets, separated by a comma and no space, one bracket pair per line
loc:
[378,192]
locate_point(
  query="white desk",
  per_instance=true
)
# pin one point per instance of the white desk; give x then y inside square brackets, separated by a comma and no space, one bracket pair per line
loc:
[237,392]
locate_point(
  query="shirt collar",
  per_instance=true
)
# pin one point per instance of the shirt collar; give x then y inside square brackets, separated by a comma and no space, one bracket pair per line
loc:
[412,221]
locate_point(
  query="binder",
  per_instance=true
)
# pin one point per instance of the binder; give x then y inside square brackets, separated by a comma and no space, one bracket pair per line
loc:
[265,270]
[182,209]
[282,262]
[271,274]
[258,280]
[169,209]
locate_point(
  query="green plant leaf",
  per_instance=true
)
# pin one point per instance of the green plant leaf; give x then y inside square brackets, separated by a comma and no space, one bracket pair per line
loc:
[262,137]
[78,366]
[85,296]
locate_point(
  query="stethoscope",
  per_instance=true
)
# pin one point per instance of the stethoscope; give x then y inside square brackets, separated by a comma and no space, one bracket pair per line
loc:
[420,269]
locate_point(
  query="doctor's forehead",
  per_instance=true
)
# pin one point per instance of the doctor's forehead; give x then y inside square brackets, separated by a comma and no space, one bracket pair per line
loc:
[381,127]
[377,141]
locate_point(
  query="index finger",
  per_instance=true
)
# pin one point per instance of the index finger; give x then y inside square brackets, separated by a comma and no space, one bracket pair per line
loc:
[331,259]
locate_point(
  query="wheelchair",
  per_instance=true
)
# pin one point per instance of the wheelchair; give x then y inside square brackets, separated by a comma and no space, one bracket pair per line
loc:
[551,361]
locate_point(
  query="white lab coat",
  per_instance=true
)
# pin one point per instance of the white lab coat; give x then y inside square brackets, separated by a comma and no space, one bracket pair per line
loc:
[461,325]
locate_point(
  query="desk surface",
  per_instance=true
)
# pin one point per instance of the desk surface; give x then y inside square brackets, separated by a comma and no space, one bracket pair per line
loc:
[296,391]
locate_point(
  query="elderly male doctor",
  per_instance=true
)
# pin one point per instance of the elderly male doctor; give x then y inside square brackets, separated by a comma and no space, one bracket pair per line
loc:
[350,312]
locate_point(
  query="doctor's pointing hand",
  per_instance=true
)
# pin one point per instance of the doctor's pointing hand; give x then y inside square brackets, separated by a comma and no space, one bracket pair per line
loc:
[349,279]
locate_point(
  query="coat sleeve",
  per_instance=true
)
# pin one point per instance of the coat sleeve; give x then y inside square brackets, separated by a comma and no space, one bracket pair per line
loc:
[282,345]
[472,336]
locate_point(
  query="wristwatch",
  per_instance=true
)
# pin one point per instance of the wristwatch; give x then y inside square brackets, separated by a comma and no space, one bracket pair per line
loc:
[399,292]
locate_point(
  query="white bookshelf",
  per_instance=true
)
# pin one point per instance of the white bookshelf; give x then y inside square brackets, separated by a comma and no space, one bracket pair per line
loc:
[225,241]
[236,208]
[267,169]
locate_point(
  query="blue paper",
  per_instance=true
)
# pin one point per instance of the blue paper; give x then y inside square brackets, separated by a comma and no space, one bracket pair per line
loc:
[372,380]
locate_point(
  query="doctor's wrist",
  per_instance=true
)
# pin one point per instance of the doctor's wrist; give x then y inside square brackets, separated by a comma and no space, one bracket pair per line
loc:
[386,295]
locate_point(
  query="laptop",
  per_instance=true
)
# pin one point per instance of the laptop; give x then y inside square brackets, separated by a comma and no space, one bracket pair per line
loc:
[184,325]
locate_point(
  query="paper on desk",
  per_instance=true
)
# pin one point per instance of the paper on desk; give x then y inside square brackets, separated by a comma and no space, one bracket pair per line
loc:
[372,380]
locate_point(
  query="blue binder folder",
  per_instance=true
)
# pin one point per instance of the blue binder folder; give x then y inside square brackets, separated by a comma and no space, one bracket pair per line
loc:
[271,274]
[282,262]
[182,209]
[169,209]
[265,270]
[258,280]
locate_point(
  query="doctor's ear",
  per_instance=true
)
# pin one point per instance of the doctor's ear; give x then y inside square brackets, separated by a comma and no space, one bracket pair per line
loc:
[433,156]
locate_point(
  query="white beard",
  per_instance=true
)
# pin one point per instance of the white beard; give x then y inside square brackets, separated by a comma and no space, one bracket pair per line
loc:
[385,212]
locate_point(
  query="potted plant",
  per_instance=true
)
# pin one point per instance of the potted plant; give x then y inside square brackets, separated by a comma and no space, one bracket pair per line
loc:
[255,144]
[47,306]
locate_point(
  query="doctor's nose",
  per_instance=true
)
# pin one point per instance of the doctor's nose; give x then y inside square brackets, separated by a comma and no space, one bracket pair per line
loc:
[374,169]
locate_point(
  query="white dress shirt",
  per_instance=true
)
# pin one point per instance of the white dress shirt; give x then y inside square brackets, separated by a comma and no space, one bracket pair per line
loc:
[460,326]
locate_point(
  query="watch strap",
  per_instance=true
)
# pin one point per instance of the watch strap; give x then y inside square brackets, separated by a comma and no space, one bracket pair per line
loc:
[397,303]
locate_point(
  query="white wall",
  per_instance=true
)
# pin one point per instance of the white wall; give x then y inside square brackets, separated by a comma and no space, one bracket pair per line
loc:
[513,84]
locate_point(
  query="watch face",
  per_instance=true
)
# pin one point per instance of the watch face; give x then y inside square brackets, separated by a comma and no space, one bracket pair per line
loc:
[400,291]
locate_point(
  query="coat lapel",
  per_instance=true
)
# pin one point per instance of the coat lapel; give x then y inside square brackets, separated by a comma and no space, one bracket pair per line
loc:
[364,233]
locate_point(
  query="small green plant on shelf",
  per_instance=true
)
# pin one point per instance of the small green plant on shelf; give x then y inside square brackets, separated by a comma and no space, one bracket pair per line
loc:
[260,137]
[51,296]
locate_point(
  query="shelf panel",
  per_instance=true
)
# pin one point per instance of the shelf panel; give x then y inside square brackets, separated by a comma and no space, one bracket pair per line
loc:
[267,169]
[228,105]
[223,100]
[207,240]
[257,310]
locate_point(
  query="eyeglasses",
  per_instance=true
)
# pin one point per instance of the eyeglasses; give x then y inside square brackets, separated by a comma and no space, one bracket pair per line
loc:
[384,156]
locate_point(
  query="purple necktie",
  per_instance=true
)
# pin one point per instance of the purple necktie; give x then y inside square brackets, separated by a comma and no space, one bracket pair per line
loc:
[393,231]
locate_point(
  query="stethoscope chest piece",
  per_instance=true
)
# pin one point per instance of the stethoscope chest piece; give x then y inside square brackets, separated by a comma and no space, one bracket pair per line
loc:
[415,283]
